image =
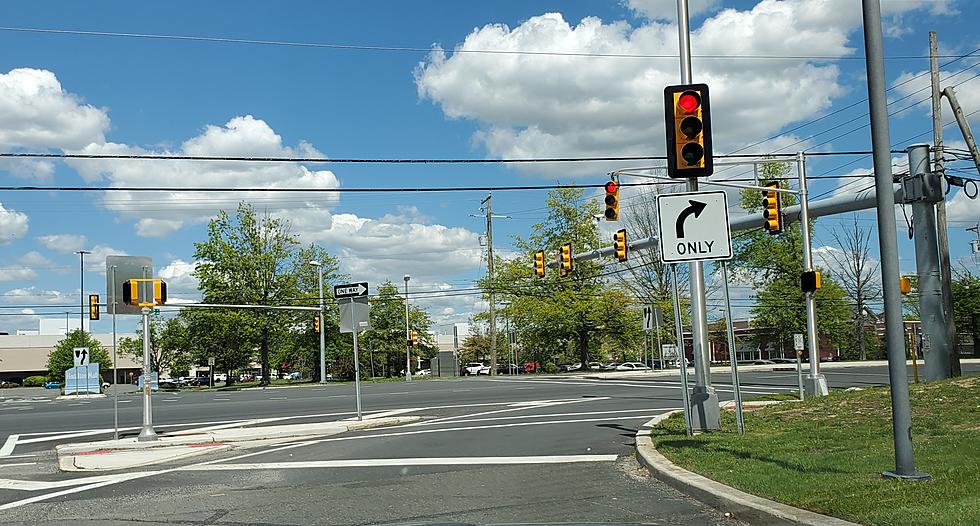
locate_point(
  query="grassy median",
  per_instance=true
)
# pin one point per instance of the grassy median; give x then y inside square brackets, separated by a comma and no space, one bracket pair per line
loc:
[827,454]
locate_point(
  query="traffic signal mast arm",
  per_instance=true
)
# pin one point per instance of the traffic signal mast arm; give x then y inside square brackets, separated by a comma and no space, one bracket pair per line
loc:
[862,200]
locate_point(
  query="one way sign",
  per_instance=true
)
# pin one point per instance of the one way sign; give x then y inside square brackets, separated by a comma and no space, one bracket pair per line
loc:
[81,356]
[353,290]
[694,227]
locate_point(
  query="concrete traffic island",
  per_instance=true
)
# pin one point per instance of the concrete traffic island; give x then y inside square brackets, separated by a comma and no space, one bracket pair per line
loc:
[742,505]
[127,453]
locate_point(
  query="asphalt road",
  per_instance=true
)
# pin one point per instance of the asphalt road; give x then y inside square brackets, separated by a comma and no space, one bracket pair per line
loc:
[500,450]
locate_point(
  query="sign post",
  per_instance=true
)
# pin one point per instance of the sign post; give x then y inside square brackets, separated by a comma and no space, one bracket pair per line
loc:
[798,347]
[359,318]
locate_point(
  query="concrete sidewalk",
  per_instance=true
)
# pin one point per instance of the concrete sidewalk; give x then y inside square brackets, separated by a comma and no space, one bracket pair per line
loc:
[126,453]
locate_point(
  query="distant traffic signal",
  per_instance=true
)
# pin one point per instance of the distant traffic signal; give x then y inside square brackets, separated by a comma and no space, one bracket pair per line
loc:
[905,284]
[93,306]
[619,245]
[688,127]
[413,339]
[539,263]
[612,201]
[316,324]
[772,210]
[566,259]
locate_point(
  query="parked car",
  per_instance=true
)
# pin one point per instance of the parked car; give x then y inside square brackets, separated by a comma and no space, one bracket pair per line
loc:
[783,360]
[506,368]
[8,384]
[423,372]
[611,366]
[221,377]
[758,362]
[52,385]
[294,375]
[533,367]
[474,368]
[632,366]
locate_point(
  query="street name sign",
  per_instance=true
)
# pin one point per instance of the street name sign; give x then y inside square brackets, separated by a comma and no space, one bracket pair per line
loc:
[694,227]
[352,290]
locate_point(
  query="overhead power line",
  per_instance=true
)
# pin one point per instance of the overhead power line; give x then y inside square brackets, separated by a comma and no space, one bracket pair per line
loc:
[415,49]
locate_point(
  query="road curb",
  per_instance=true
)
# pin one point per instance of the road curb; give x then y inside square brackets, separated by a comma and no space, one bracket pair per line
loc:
[745,506]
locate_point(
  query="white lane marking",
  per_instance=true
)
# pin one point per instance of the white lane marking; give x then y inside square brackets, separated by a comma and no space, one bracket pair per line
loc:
[467,420]
[520,406]
[221,399]
[429,461]
[125,401]
[9,445]
[170,400]
[18,464]
[585,382]
[522,388]
[277,398]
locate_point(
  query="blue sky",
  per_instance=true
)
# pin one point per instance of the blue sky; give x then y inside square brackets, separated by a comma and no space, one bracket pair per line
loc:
[102,94]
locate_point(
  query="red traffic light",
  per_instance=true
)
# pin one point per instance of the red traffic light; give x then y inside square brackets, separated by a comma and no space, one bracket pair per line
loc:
[689,101]
[612,186]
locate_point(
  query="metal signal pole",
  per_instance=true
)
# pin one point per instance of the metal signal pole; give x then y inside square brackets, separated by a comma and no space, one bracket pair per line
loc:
[707,415]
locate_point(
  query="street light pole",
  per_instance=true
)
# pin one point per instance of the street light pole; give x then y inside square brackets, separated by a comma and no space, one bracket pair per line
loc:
[81,288]
[408,336]
[323,363]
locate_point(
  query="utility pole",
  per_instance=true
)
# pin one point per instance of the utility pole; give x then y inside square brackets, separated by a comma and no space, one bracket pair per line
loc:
[706,412]
[81,291]
[408,336]
[888,241]
[945,273]
[493,320]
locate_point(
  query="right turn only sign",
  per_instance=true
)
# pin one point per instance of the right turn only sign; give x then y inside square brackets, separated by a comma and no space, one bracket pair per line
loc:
[694,227]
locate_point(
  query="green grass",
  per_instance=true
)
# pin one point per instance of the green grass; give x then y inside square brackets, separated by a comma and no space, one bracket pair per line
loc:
[827,454]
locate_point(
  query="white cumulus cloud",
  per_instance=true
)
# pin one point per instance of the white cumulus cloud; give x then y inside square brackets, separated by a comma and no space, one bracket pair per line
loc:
[13,224]
[37,112]
[64,242]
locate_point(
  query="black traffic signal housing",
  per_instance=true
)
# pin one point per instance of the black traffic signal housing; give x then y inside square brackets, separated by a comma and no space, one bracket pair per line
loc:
[772,210]
[316,324]
[539,263]
[612,201]
[688,126]
[93,306]
[566,259]
[810,281]
[619,245]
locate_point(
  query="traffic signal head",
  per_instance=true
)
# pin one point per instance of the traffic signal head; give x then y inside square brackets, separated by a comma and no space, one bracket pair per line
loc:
[619,245]
[137,292]
[566,258]
[772,210]
[612,201]
[688,127]
[93,306]
[316,324]
[905,284]
[539,263]
[415,338]
[810,281]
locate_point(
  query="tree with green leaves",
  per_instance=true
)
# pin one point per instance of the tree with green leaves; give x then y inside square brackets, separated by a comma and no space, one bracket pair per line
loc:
[62,357]
[386,337]
[773,264]
[168,345]
[966,306]
[248,259]
[577,316]
[226,335]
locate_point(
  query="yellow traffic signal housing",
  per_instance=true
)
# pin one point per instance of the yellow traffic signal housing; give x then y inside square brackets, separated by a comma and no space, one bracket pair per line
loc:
[772,210]
[93,306]
[566,258]
[612,201]
[619,245]
[688,127]
[905,284]
[134,292]
[415,338]
[539,263]
[316,324]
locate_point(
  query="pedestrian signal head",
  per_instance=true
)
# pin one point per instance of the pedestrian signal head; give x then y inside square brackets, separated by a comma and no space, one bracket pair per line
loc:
[772,210]
[619,245]
[539,263]
[810,281]
[612,201]
[688,131]
[316,324]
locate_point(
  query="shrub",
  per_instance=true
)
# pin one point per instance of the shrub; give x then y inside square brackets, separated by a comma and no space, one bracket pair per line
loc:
[550,368]
[35,381]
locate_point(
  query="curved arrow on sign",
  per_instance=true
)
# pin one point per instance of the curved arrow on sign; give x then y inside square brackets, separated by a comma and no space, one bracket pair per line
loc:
[696,207]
